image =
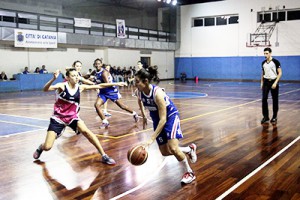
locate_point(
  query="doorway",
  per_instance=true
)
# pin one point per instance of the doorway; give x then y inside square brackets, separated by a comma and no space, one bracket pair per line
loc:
[146,61]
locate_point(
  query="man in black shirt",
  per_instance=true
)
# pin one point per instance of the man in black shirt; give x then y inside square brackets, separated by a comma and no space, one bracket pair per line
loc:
[271,74]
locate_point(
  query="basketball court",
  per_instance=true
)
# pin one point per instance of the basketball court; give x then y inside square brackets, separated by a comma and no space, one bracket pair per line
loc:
[238,158]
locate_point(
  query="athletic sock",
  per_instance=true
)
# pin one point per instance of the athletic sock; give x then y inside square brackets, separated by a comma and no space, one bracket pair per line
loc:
[185,149]
[186,165]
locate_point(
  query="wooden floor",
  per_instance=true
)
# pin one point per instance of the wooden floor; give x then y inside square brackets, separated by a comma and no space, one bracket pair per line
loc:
[238,158]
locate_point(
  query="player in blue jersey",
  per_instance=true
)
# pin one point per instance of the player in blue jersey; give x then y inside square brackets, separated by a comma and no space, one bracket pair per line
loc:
[98,63]
[103,75]
[166,122]
[66,112]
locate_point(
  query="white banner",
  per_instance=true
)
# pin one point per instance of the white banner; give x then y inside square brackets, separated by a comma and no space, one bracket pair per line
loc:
[35,39]
[81,22]
[121,29]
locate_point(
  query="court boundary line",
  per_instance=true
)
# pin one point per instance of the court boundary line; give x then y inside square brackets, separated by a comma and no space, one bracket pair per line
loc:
[24,116]
[14,134]
[22,124]
[142,184]
[256,170]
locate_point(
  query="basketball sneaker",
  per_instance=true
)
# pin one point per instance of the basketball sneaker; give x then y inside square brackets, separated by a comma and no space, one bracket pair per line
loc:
[136,117]
[188,177]
[107,114]
[192,154]
[107,160]
[104,125]
[38,152]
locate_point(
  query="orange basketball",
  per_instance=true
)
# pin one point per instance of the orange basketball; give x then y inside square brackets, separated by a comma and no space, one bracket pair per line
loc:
[137,155]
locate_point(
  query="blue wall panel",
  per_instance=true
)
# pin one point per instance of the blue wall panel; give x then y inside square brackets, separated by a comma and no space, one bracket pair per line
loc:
[27,82]
[242,67]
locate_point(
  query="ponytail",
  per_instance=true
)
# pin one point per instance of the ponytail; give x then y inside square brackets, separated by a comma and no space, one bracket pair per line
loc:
[150,73]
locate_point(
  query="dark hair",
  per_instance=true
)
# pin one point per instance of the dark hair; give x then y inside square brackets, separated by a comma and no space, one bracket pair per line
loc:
[97,59]
[74,63]
[268,49]
[150,73]
[70,70]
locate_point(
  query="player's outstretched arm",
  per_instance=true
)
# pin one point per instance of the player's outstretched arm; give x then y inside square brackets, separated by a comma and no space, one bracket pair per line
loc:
[101,85]
[48,86]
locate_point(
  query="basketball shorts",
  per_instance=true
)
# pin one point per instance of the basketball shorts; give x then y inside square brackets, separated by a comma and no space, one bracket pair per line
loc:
[113,96]
[170,131]
[59,127]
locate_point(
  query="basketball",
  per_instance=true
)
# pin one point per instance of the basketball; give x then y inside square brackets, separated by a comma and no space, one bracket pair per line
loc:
[137,155]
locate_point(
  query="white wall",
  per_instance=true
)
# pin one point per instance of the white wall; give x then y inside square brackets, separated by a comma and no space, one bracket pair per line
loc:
[230,40]
[163,59]
[13,60]
[166,63]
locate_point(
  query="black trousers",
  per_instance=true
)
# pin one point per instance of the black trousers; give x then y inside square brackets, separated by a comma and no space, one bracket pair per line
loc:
[267,86]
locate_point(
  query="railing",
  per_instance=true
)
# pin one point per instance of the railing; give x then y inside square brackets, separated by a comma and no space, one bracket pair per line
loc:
[25,20]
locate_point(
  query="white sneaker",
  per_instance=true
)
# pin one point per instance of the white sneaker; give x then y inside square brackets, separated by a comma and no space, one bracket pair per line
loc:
[104,125]
[106,114]
[108,160]
[136,117]
[192,154]
[188,177]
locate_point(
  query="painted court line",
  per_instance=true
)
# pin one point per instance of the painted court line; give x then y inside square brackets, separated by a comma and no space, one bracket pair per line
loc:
[257,170]
[14,134]
[142,184]
[22,124]
[24,117]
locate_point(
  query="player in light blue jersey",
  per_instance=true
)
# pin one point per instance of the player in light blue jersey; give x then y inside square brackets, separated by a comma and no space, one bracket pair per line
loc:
[166,122]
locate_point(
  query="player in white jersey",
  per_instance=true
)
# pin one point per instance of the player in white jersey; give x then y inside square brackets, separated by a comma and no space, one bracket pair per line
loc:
[166,122]
[66,110]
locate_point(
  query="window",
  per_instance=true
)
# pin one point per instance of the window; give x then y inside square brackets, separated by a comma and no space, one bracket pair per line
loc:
[233,20]
[8,19]
[23,21]
[293,15]
[209,21]
[264,17]
[198,22]
[215,20]
[278,16]
[222,20]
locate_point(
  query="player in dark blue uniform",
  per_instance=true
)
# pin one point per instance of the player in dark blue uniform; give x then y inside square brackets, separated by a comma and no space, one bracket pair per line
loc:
[111,93]
[166,122]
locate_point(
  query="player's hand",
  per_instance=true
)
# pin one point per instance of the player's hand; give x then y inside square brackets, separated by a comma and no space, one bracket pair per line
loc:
[145,146]
[56,74]
[145,121]
[274,85]
[261,86]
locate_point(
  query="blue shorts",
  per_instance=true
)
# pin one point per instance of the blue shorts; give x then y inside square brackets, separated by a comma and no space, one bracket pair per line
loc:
[58,127]
[170,131]
[113,96]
